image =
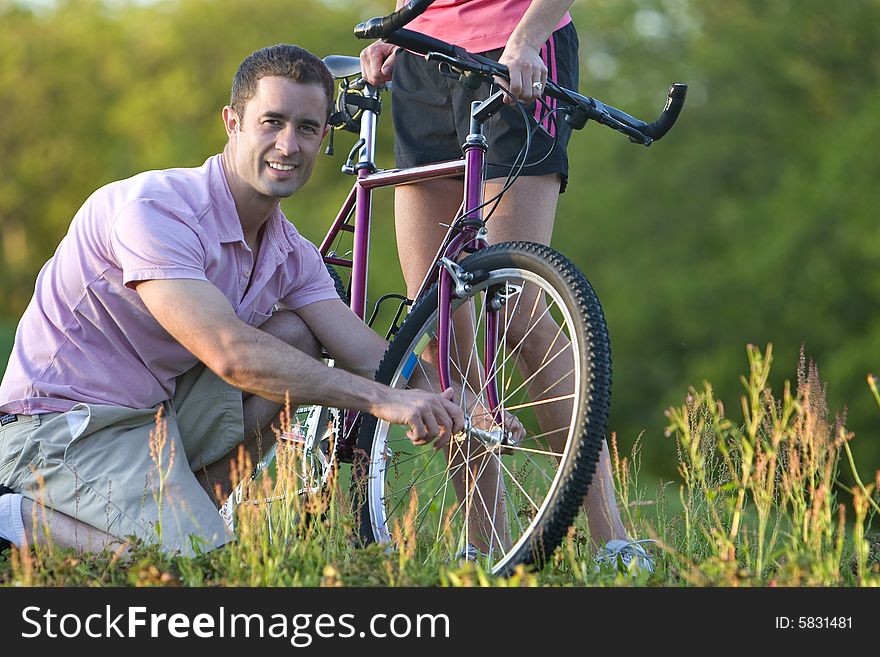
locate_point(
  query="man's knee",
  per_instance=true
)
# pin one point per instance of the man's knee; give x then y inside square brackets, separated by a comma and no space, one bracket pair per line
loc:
[289,327]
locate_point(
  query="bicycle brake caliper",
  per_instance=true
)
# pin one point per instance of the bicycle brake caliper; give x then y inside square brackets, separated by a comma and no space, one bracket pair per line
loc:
[501,294]
[460,278]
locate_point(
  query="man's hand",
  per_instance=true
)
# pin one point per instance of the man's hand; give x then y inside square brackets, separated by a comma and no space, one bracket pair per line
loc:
[355,347]
[377,62]
[426,378]
[427,414]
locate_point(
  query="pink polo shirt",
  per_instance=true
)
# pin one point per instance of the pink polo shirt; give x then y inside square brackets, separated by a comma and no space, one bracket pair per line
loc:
[475,25]
[87,336]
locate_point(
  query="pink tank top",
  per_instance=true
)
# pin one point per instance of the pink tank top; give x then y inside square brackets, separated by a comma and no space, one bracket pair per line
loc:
[476,25]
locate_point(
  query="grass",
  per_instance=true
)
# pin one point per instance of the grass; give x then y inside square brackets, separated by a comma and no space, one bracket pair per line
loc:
[758,503]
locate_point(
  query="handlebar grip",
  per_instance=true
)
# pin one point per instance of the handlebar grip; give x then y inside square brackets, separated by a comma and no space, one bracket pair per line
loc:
[381,26]
[674,102]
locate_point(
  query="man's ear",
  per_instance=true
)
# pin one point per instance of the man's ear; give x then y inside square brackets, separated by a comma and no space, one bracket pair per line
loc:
[231,120]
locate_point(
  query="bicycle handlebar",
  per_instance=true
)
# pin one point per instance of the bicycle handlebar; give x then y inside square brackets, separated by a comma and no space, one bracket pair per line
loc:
[582,108]
[637,130]
[382,26]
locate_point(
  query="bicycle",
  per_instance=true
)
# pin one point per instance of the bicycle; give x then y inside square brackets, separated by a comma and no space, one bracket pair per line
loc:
[534,476]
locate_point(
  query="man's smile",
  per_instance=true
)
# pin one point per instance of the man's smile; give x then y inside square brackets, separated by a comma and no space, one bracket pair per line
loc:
[278,166]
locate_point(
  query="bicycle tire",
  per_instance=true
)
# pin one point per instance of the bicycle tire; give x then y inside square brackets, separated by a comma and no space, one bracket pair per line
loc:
[562,282]
[338,284]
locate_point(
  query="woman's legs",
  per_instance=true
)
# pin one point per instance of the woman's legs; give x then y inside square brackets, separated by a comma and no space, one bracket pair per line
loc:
[527,212]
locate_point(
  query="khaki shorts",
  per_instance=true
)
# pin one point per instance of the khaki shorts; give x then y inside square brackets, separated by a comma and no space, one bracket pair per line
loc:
[94,463]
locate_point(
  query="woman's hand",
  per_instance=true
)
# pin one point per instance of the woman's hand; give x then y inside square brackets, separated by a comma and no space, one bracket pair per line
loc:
[528,73]
[377,62]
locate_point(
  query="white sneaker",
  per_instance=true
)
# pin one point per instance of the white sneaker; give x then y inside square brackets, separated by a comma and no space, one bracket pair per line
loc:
[626,556]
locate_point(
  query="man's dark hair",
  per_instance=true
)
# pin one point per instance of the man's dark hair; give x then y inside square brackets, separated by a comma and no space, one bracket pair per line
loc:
[282,60]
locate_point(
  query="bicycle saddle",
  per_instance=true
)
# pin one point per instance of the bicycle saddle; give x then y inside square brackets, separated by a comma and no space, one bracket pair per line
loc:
[342,66]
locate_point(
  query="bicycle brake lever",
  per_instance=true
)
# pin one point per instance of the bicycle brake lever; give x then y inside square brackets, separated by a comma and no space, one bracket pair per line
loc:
[348,167]
[471,66]
[470,80]
[447,71]
[601,115]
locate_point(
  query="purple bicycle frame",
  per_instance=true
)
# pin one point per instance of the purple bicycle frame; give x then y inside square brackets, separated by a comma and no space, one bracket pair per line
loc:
[360,200]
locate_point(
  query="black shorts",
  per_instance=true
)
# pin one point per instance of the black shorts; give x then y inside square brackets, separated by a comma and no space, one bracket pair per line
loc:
[431,114]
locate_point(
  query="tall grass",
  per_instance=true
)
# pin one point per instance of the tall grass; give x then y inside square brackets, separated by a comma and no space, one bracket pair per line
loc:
[760,498]
[760,501]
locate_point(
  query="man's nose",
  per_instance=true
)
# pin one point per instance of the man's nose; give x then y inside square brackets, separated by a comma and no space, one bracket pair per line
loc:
[286,143]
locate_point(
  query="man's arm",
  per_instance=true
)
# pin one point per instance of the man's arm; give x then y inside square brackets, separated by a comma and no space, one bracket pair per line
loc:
[357,348]
[198,315]
[352,344]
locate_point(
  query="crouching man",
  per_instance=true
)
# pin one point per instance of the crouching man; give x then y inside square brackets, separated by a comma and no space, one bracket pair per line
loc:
[186,291]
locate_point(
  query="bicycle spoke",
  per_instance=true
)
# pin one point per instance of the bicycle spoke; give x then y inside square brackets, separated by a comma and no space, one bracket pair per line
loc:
[540,403]
[547,353]
[407,459]
[540,369]
[426,508]
[486,508]
[518,485]
[465,376]
[556,382]
[505,358]
[421,365]
[522,340]
[546,476]
[442,507]
[532,460]
[478,394]
[415,478]
[526,450]
[487,458]
[506,328]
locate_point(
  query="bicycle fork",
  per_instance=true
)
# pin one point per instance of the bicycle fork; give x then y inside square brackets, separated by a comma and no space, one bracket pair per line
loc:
[455,282]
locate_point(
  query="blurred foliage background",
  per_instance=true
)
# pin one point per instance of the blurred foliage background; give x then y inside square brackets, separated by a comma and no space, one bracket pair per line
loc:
[754,221]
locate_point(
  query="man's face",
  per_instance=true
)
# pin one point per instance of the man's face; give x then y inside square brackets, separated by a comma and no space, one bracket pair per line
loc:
[275,143]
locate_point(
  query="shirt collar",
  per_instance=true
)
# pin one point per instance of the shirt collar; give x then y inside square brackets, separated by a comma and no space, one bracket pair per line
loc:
[276,237]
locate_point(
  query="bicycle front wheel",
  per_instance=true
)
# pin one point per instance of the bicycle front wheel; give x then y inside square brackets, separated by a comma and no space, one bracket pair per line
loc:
[487,496]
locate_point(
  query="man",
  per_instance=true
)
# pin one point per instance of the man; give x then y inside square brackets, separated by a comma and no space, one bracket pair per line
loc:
[186,292]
